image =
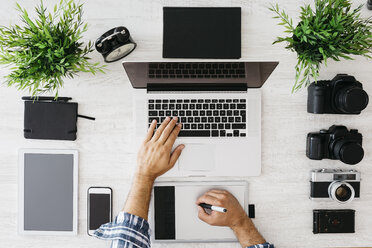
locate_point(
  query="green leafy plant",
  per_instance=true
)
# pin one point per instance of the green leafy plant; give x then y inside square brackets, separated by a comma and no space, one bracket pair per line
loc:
[47,49]
[332,31]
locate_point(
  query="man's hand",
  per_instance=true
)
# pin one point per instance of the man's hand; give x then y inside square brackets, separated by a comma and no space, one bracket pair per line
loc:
[235,217]
[155,156]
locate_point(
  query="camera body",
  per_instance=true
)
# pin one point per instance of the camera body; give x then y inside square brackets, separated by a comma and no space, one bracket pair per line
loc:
[339,185]
[333,221]
[335,143]
[341,95]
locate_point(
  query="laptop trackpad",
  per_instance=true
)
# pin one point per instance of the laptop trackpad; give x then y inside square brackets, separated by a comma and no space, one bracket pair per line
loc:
[197,157]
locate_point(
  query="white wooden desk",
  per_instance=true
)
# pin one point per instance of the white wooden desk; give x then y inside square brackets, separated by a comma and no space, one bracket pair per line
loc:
[281,193]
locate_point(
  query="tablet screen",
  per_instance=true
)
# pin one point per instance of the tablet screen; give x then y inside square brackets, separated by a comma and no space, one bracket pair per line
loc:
[202,32]
[48,192]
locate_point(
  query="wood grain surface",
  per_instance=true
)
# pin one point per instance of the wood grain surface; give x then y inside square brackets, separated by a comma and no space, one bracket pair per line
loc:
[107,156]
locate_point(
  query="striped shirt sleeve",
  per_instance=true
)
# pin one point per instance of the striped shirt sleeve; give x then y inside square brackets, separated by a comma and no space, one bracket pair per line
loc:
[130,231]
[127,231]
[264,245]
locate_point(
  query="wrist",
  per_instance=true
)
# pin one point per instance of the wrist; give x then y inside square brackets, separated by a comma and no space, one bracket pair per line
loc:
[242,223]
[144,179]
[247,233]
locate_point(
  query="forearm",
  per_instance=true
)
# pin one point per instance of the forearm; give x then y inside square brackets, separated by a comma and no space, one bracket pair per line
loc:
[139,196]
[247,233]
[155,157]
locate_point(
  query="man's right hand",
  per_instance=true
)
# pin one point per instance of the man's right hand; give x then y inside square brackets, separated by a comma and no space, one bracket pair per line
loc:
[234,216]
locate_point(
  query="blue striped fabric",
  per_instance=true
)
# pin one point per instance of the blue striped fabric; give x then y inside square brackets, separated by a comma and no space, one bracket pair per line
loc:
[130,231]
[127,230]
[265,245]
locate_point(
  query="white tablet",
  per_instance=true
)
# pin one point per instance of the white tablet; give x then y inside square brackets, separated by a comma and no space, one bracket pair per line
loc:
[48,192]
[174,215]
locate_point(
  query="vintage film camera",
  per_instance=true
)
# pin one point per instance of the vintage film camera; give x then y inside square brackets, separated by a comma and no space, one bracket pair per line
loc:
[333,221]
[338,185]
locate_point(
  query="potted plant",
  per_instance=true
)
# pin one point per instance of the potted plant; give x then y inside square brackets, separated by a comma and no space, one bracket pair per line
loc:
[333,30]
[44,51]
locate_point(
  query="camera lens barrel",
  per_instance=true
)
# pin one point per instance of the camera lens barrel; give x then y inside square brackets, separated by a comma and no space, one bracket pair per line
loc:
[352,100]
[341,192]
[348,152]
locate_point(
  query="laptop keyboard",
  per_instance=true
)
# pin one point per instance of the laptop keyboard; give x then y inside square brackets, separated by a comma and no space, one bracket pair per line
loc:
[196,70]
[202,117]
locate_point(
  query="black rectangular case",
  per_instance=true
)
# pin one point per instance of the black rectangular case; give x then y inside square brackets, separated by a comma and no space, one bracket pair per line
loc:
[333,221]
[49,119]
[196,32]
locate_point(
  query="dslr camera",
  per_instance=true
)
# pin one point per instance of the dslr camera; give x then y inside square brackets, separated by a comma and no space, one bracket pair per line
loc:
[335,143]
[338,185]
[341,95]
[333,221]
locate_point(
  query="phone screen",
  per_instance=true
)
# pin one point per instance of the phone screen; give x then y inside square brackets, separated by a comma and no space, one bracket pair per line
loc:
[99,210]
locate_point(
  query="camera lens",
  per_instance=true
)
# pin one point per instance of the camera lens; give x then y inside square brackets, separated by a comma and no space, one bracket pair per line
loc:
[351,153]
[352,99]
[341,192]
[348,152]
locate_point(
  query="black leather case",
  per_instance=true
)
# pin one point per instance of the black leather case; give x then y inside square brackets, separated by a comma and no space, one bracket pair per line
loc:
[52,120]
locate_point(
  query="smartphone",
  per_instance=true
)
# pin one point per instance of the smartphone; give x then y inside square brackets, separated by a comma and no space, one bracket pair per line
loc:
[99,207]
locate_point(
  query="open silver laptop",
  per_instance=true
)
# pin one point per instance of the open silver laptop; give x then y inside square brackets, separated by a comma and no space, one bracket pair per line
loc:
[219,105]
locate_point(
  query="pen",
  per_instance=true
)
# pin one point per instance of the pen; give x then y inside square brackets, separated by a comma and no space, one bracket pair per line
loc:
[214,208]
[45,98]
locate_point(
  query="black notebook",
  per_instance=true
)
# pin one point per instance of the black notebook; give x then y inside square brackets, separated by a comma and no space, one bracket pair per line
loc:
[46,118]
[213,33]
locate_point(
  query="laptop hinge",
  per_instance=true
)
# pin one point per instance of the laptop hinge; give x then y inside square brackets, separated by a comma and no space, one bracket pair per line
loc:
[197,87]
